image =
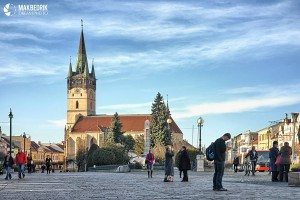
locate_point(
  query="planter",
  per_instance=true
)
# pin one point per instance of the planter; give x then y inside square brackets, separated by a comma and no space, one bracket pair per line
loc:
[294,179]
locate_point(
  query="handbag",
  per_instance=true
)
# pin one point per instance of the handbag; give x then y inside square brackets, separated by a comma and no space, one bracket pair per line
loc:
[278,160]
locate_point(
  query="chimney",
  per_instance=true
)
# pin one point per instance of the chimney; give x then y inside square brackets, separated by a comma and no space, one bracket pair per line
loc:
[39,143]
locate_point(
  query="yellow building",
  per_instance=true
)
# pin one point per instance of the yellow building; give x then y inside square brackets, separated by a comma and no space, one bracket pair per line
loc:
[40,151]
[264,139]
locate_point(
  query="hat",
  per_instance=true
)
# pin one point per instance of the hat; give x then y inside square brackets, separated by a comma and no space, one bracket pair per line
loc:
[227,135]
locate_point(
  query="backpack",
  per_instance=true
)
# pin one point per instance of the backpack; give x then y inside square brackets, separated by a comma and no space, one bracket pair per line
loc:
[210,152]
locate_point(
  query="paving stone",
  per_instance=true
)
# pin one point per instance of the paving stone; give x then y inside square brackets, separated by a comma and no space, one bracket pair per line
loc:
[136,185]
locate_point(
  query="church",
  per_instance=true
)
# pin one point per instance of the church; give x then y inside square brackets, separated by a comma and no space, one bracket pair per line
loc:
[84,127]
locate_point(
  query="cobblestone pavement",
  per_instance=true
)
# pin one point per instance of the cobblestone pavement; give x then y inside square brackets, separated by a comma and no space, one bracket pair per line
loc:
[136,185]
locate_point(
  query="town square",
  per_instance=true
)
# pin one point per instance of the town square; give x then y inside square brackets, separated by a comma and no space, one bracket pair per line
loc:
[150,100]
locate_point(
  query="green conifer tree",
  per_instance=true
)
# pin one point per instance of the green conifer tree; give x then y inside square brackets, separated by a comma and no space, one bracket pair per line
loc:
[160,133]
[115,134]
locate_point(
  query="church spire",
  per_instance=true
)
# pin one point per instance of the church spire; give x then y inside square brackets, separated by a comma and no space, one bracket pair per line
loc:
[81,56]
[70,69]
[86,71]
[168,110]
[93,70]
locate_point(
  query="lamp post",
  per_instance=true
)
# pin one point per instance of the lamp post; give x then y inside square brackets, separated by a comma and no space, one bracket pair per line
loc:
[268,135]
[10,130]
[294,117]
[200,123]
[169,121]
[24,137]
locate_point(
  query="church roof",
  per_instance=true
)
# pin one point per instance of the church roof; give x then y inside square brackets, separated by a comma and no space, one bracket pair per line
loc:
[130,123]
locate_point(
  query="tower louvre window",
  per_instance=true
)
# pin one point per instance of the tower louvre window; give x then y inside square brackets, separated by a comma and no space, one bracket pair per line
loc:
[77,105]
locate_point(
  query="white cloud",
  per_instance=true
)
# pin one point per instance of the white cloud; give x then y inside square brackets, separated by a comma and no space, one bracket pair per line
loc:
[136,108]
[178,35]
[262,97]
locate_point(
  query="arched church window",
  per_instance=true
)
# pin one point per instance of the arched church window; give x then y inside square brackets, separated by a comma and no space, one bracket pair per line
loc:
[93,141]
[77,105]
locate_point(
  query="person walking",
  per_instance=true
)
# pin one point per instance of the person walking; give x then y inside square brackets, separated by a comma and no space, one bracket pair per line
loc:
[219,161]
[274,152]
[48,164]
[29,164]
[184,163]
[8,165]
[253,155]
[236,162]
[178,164]
[21,161]
[150,162]
[284,167]
[169,168]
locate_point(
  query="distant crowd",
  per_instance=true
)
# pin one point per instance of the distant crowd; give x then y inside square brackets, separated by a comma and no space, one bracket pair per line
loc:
[21,161]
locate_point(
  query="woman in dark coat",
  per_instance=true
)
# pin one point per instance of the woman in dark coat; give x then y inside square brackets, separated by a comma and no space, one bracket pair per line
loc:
[8,165]
[285,153]
[184,163]
[169,168]
[274,152]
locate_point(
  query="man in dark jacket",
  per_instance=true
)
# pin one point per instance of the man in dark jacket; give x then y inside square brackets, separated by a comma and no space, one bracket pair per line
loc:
[253,159]
[274,152]
[184,163]
[219,161]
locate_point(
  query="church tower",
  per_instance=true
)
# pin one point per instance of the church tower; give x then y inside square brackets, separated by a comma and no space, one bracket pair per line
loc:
[81,97]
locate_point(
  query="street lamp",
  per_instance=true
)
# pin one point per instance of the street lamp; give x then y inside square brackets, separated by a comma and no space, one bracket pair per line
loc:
[294,117]
[10,130]
[200,123]
[24,137]
[268,135]
[169,121]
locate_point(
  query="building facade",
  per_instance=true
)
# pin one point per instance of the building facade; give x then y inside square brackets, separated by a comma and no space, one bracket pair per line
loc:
[84,127]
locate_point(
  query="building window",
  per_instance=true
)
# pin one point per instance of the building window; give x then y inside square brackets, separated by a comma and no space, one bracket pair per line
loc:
[80,94]
[77,105]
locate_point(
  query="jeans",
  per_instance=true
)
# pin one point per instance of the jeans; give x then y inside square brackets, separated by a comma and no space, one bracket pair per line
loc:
[253,165]
[235,167]
[21,168]
[8,170]
[218,175]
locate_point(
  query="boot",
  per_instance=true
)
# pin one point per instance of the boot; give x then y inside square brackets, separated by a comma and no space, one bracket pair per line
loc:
[148,174]
[151,173]
[9,176]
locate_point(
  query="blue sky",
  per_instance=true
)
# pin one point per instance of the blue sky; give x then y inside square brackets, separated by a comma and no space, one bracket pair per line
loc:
[234,64]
